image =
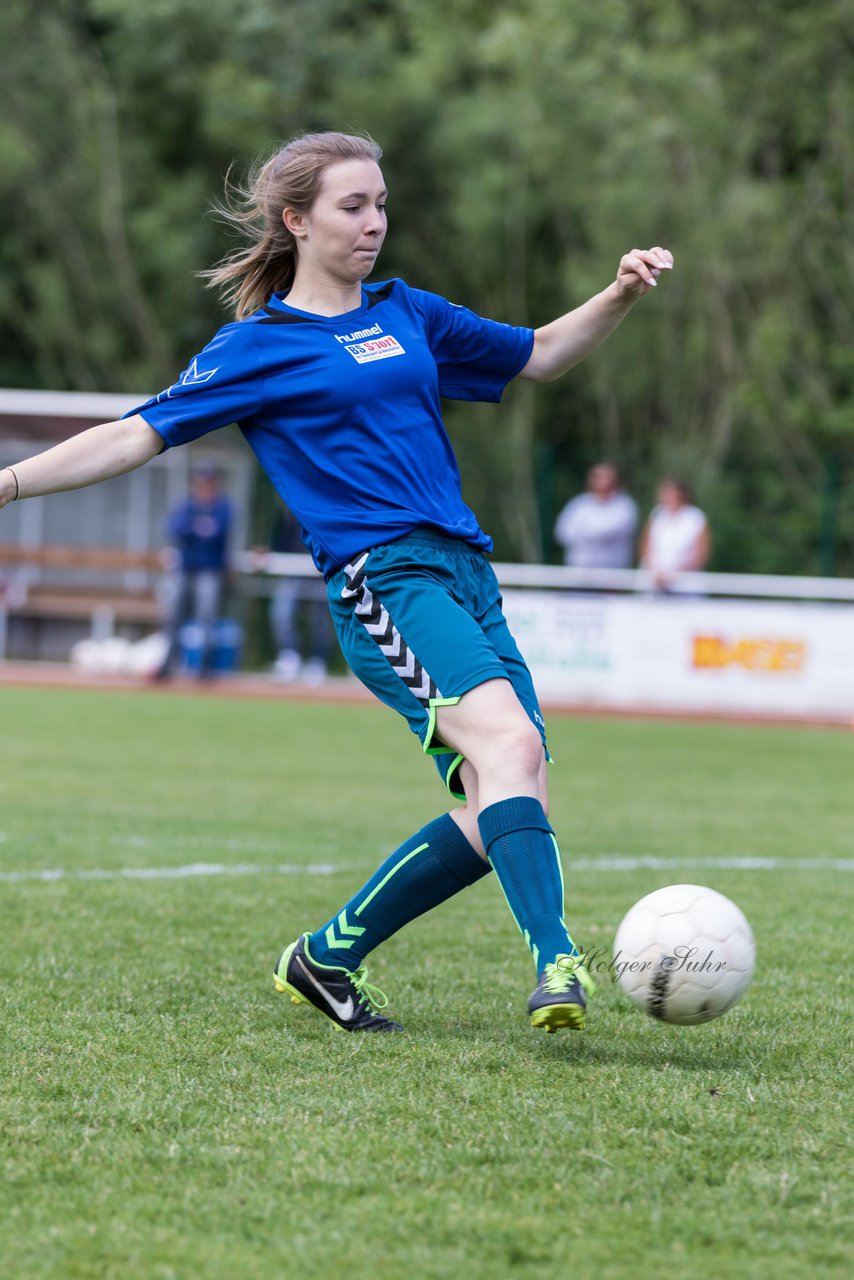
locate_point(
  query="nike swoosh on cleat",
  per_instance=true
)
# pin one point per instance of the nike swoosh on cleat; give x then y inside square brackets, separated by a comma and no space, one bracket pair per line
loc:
[344,1008]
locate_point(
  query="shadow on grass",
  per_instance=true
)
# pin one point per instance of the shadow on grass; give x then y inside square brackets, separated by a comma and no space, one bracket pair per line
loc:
[493,1034]
[624,1044]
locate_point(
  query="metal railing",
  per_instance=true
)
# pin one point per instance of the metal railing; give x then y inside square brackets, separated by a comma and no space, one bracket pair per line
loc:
[542,577]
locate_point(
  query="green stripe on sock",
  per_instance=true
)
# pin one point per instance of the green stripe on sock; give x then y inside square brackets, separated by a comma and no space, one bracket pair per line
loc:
[559,867]
[386,878]
[431,866]
[525,855]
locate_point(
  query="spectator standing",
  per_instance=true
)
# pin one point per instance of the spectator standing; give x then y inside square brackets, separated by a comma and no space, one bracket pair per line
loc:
[298,608]
[199,529]
[675,538]
[597,528]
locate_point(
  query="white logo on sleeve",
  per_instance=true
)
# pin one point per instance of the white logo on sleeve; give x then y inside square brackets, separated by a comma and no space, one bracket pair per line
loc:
[192,376]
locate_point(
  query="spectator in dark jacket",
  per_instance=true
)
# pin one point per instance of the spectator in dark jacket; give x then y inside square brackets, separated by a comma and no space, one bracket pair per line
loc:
[199,529]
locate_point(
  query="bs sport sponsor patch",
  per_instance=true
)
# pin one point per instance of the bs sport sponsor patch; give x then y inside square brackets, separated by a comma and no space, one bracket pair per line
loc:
[375,349]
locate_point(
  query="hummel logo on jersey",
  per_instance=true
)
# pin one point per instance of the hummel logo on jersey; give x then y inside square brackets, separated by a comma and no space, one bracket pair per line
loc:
[376,349]
[358,334]
[344,1008]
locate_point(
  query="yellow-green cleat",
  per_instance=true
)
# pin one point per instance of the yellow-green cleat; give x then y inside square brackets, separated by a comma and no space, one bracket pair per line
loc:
[560,998]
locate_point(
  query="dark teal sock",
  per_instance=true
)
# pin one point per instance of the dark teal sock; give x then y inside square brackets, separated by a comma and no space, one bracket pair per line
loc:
[433,865]
[525,855]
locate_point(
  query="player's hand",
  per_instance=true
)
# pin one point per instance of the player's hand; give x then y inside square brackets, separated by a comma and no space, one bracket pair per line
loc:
[639,270]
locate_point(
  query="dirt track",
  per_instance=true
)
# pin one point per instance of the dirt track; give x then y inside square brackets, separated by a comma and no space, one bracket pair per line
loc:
[341,689]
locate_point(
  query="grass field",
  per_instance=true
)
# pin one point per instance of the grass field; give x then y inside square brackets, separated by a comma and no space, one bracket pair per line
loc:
[165,1115]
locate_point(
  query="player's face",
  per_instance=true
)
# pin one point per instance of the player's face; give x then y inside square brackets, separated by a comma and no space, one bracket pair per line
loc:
[344,231]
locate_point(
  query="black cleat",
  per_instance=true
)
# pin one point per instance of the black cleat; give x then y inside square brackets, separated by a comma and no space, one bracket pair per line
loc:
[347,999]
[559,1000]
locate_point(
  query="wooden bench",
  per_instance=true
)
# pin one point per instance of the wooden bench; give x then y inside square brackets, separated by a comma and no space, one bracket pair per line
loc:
[112,587]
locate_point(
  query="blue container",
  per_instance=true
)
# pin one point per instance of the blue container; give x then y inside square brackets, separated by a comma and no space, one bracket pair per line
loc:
[227,643]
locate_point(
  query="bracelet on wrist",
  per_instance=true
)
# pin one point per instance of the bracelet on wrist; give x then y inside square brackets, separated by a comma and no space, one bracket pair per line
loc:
[17,483]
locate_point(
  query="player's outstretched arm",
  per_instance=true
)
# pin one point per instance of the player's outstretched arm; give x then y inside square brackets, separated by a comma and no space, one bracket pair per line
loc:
[566,341]
[100,453]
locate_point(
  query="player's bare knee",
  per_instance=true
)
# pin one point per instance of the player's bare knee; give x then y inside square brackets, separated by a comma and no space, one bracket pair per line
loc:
[526,748]
[514,751]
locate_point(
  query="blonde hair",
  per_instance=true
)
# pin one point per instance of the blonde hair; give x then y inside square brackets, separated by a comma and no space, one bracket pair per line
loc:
[248,276]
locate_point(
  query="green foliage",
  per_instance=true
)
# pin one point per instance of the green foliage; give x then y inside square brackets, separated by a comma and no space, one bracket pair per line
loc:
[527,146]
[165,1115]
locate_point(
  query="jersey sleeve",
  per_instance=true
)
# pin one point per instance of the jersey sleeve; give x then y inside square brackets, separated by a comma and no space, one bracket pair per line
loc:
[476,357]
[221,385]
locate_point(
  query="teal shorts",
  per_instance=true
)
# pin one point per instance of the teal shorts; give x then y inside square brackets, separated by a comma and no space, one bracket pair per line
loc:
[419,621]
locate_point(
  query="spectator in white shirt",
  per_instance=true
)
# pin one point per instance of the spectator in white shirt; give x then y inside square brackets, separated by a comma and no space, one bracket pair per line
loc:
[597,528]
[675,538]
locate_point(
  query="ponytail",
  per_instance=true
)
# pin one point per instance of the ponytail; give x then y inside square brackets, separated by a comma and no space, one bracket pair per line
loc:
[247,277]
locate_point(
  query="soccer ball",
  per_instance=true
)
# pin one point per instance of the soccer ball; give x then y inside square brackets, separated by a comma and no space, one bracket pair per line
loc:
[684,954]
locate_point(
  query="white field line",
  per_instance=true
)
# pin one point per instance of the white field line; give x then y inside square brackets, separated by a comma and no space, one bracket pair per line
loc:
[199,870]
[643,862]
[608,863]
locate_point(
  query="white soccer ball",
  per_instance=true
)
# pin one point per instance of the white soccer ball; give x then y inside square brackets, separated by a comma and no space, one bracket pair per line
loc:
[684,954]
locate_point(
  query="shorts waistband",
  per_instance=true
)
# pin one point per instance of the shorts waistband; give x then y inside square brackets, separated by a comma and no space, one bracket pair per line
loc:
[429,537]
[423,536]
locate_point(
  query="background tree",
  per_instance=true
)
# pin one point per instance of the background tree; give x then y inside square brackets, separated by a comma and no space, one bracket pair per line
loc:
[527,146]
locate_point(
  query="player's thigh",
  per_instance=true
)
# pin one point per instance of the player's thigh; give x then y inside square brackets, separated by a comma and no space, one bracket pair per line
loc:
[499,726]
[419,622]
[490,727]
[503,775]
[405,634]
[497,711]
[498,633]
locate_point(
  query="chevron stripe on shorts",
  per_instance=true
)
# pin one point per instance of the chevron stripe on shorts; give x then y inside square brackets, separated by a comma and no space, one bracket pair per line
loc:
[375,619]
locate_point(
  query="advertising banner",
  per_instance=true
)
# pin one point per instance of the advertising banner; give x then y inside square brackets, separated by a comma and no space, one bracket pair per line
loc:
[687,654]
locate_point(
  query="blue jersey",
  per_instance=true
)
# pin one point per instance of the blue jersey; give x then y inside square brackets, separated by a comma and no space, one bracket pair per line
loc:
[343,412]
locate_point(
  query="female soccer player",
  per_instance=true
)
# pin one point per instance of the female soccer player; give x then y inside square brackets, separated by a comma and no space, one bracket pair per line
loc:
[336,386]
